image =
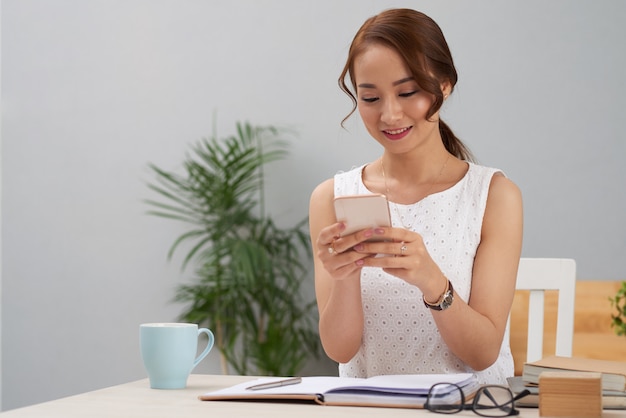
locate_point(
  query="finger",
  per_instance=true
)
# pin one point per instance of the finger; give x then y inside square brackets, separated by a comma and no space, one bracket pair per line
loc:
[346,271]
[324,251]
[350,241]
[403,248]
[396,234]
[390,248]
[331,248]
[343,265]
[385,262]
[329,233]
[335,247]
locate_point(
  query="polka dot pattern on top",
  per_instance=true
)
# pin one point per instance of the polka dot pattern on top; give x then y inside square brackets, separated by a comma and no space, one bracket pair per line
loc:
[400,335]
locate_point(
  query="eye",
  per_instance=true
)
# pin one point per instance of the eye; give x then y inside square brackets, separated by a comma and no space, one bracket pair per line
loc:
[409,94]
[369,99]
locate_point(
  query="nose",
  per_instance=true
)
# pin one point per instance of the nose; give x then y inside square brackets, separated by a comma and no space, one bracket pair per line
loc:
[391,111]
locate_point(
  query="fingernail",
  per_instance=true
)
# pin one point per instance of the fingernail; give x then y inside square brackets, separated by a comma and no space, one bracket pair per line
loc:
[358,247]
[379,231]
[368,233]
[359,262]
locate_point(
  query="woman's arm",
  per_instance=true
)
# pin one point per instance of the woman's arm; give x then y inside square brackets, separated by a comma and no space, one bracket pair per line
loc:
[474,332]
[337,278]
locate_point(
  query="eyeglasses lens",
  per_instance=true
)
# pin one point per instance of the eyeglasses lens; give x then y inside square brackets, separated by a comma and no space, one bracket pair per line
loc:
[493,401]
[445,398]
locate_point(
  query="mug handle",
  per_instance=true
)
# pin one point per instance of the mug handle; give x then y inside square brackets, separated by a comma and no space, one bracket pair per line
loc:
[208,347]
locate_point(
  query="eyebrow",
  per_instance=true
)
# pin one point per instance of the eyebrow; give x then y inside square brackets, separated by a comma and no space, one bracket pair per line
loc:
[395,83]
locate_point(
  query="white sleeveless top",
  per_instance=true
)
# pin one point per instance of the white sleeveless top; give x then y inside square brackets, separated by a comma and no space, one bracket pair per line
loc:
[400,335]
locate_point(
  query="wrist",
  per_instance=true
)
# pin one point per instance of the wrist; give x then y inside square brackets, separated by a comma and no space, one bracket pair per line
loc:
[433,295]
[444,301]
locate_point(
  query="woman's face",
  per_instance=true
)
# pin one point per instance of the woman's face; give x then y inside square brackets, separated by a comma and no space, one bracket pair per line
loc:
[391,104]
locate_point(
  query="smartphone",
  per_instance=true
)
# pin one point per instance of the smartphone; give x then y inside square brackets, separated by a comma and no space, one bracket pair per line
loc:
[362,211]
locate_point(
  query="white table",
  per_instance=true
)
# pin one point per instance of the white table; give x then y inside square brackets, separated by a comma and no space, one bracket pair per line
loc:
[136,399]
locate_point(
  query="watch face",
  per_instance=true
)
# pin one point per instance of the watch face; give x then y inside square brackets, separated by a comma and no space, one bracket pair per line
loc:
[447,301]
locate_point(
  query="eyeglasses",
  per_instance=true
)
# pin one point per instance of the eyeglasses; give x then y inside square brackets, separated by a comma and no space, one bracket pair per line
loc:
[489,401]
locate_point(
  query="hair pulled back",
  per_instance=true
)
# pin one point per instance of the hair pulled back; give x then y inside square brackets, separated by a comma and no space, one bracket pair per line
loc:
[421,44]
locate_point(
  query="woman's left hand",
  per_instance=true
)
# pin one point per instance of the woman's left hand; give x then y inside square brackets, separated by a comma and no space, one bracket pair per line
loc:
[403,255]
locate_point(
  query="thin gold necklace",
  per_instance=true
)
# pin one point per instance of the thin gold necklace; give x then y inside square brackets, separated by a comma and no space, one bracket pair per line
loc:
[432,184]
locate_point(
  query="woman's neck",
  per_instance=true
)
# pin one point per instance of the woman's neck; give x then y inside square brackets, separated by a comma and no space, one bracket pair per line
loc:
[408,181]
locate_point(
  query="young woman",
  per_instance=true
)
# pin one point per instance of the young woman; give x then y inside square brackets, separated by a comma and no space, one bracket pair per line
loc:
[438,302]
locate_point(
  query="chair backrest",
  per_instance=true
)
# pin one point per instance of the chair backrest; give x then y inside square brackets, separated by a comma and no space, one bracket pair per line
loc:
[538,275]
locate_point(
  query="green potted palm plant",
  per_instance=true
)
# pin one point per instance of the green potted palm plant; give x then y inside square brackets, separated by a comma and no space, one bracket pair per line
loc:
[248,271]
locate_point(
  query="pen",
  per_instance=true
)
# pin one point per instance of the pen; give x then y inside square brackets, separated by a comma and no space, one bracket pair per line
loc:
[276,384]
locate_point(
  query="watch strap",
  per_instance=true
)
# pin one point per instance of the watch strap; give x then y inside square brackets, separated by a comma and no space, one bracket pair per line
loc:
[445,300]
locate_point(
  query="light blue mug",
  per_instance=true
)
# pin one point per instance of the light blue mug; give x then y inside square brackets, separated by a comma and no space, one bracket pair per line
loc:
[169,352]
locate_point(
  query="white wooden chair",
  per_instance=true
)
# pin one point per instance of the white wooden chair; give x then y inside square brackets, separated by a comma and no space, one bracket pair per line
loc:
[538,275]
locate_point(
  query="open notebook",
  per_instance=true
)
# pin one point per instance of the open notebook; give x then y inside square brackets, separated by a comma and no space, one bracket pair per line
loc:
[399,391]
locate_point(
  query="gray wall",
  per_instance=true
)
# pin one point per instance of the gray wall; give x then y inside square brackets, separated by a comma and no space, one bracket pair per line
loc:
[94,90]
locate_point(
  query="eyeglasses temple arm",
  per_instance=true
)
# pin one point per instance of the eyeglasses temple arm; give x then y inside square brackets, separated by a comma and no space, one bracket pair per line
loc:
[520,395]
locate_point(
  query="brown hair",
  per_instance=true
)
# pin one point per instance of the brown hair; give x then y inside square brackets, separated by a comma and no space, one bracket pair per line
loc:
[420,42]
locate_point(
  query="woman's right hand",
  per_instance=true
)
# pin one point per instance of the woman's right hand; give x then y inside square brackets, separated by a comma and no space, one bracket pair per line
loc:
[336,252]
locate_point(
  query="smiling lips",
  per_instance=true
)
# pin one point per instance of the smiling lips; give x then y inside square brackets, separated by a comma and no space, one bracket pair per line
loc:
[395,134]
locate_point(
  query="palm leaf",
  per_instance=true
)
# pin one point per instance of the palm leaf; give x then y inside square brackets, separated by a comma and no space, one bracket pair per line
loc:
[249,272]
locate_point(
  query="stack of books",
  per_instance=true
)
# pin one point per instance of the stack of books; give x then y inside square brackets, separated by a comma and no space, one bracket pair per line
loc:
[613,378]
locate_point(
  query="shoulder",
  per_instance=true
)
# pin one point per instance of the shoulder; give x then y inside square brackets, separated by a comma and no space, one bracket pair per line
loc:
[501,197]
[504,205]
[343,182]
[499,184]
[502,189]
[350,176]
[323,191]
